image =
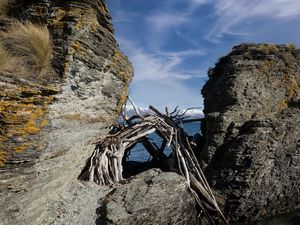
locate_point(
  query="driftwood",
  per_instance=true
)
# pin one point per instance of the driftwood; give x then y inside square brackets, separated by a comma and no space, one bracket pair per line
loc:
[104,166]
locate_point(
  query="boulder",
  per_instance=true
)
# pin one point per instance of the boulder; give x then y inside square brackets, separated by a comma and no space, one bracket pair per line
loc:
[152,197]
[251,130]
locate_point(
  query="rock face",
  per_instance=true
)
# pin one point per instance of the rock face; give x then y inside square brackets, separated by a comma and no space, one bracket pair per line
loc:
[152,197]
[252,132]
[47,127]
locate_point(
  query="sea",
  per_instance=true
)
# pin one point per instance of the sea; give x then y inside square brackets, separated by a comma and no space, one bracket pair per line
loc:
[139,154]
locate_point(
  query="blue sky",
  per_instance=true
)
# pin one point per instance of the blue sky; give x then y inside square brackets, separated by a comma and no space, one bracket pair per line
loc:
[172,43]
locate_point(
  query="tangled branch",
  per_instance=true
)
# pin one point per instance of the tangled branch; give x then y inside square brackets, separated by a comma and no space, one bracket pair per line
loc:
[104,166]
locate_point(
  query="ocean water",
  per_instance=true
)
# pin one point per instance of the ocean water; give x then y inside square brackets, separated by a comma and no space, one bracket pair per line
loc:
[138,153]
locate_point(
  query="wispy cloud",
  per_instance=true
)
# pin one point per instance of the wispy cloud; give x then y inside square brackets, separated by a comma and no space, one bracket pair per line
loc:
[184,53]
[158,78]
[196,3]
[164,38]
[163,21]
[231,13]
[160,65]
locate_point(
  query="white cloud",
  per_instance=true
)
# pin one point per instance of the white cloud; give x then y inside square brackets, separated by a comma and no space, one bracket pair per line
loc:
[199,2]
[184,53]
[158,80]
[162,22]
[159,75]
[160,65]
[231,13]
[196,3]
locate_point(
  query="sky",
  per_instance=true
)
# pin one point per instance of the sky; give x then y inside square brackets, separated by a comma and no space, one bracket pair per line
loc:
[173,43]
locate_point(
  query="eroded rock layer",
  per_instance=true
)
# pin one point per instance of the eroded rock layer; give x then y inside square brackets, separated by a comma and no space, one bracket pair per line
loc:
[47,126]
[252,130]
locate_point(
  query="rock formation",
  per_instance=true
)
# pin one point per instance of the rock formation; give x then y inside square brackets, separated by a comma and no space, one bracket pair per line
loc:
[251,130]
[152,197]
[47,127]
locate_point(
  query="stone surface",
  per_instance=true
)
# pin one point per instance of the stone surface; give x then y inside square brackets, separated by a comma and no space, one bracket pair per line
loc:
[152,197]
[78,204]
[48,126]
[251,130]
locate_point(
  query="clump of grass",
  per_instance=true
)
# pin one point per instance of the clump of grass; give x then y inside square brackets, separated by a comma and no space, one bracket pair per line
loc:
[268,49]
[31,43]
[5,57]
[291,47]
[4,5]
[9,63]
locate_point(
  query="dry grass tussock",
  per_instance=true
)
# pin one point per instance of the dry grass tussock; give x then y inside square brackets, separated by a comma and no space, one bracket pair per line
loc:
[29,43]
[291,47]
[4,57]
[4,5]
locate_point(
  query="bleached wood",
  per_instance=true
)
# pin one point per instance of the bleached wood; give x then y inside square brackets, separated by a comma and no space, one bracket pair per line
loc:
[104,166]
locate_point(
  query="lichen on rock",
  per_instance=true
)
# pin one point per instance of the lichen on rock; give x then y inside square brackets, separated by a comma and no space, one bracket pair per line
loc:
[47,127]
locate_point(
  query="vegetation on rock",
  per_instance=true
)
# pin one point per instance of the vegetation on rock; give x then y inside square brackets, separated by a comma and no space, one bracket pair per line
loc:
[26,47]
[4,5]
[5,57]
[45,133]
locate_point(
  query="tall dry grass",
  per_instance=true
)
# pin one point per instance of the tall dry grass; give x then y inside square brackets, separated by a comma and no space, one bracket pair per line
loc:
[9,63]
[31,44]
[4,5]
[5,57]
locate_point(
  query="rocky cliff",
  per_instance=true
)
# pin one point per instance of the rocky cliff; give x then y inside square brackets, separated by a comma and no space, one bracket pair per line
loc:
[47,126]
[251,130]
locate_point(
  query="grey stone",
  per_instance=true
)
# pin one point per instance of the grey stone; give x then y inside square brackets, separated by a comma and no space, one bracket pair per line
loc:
[152,197]
[251,131]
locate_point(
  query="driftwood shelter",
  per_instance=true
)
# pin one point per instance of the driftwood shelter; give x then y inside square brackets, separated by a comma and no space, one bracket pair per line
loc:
[104,166]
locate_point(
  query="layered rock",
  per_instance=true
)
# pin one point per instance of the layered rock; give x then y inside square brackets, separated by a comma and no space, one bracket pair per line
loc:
[251,130]
[48,125]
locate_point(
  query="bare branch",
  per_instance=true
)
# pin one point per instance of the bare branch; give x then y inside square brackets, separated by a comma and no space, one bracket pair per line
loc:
[134,107]
[104,166]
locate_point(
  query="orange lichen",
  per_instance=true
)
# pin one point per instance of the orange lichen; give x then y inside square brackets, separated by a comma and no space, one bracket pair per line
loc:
[57,19]
[44,123]
[123,99]
[117,67]
[21,147]
[23,113]
[76,46]
[3,157]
